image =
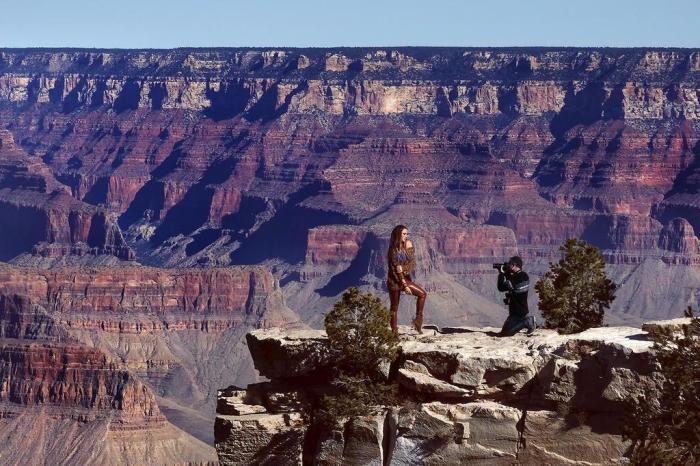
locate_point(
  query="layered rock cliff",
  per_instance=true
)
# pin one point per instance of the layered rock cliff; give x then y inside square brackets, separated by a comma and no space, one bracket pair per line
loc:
[132,351]
[304,158]
[76,404]
[468,397]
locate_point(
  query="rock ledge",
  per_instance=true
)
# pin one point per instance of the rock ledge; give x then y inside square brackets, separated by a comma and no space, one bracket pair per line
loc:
[474,397]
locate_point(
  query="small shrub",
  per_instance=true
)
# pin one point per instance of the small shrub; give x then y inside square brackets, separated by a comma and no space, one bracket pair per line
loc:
[575,292]
[354,396]
[665,430]
[360,340]
[359,335]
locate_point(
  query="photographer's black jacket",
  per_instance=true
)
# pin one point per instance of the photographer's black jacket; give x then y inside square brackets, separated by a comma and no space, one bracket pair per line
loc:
[515,285]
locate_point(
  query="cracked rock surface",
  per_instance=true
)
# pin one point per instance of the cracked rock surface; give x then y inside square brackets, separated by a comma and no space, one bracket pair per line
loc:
[475,398]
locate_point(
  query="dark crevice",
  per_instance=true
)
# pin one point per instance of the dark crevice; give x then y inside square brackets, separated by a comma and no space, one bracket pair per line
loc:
[185,216]
[128,98]
[171,162]
[312,439]
[582,108]
[265,109]
[147,203]
[21,228]
[246,216]
[522,440]
[157,94]
[72,100]
[230,100]
[98,192]
[389,437]
[201,240]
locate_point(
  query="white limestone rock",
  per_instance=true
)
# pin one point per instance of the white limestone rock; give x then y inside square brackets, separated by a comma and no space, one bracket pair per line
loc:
[259,439]
[666,327]
[415,377]
[279,353]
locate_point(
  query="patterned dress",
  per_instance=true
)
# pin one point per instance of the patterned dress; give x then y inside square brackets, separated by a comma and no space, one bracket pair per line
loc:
[406,258]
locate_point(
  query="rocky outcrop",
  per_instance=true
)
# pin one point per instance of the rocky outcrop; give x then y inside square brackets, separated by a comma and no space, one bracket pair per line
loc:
[469,396]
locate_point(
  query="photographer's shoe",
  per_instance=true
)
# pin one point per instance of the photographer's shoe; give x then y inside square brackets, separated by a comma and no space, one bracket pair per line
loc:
[531,325]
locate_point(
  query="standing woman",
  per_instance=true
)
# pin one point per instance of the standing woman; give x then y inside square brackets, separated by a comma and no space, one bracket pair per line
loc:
[402,261]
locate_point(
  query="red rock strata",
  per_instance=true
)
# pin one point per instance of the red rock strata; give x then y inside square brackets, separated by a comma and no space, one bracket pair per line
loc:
[67,333]
[239,295]
[71,376]
[93,411]
[243,156]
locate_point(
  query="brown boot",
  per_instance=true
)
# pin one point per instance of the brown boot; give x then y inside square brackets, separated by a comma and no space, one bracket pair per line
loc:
[394,297]
[395,322]
[418,321]
[418,324]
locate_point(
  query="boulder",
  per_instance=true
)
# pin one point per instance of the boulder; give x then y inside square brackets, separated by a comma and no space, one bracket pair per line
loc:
[259,439]
[666,327]
[469,397]
[550,439]
[415,377]
[468,433]
[478,361]
[364,437]
[280,354]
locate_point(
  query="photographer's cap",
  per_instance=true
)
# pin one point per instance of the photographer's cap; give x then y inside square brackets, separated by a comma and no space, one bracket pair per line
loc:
[516,260]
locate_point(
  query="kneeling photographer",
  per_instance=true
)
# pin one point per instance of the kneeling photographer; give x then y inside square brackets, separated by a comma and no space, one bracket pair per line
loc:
[515,283]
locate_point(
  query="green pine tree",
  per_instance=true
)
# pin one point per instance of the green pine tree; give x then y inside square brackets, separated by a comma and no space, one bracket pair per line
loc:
[359,335]
[360,341]
[575,292]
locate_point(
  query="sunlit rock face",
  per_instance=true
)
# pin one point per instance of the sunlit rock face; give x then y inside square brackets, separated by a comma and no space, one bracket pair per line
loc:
[475,398]
[77,402]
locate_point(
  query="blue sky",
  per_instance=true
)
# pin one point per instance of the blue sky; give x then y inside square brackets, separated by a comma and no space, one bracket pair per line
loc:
[329,23]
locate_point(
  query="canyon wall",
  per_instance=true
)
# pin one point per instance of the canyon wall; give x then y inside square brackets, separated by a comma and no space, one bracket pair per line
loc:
[302,159]
[126,359]
[131,181]
[75,403]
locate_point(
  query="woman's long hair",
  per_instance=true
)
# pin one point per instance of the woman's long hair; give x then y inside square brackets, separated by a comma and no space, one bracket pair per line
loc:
[395,242]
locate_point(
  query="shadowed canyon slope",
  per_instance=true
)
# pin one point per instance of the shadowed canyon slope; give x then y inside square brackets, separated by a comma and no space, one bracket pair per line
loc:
[131,180]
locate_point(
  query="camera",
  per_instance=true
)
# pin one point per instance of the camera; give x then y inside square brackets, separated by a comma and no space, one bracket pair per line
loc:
[501,266]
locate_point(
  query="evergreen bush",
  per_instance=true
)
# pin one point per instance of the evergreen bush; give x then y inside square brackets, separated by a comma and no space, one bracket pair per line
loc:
[575,292]
[360,342]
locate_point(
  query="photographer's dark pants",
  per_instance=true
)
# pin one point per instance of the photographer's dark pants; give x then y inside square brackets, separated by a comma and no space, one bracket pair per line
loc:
[515,323]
